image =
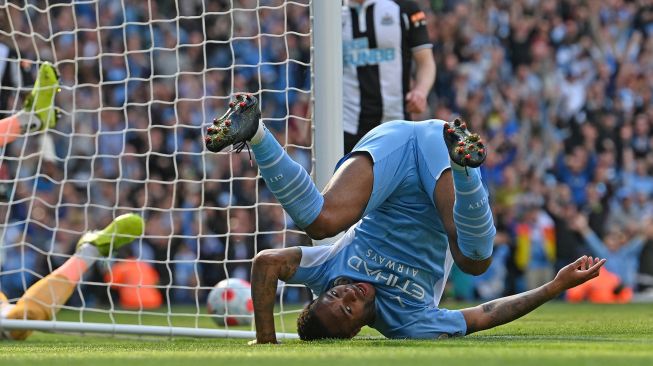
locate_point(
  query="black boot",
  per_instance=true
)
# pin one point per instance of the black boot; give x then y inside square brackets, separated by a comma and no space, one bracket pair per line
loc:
[465,148]
[236,126]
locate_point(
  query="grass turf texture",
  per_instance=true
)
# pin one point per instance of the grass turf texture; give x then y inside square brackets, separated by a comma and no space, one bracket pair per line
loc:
[556,334]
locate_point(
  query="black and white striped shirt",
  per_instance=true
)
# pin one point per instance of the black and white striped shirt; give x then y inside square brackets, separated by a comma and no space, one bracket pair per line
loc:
[379,37]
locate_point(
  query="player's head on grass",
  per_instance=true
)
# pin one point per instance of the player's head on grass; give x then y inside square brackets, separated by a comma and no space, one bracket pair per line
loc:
[338,313]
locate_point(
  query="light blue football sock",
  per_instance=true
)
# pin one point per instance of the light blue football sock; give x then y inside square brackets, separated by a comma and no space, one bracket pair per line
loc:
[288,181]
[472,214]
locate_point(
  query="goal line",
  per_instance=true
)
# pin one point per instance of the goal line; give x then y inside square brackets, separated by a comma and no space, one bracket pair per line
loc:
[130,329]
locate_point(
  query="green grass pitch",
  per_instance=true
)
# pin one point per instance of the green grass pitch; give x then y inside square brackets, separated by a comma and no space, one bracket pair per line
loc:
[556,334]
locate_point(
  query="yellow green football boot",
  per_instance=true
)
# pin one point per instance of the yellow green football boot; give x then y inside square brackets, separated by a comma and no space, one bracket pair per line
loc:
[121,231]
[41,99]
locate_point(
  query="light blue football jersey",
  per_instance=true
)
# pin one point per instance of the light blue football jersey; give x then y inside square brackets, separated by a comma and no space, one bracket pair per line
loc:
[400,245]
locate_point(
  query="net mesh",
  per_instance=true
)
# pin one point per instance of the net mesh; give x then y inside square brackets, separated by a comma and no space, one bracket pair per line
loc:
[139,82]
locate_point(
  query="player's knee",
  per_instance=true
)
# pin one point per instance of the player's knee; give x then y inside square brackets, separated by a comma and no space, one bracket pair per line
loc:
[318,235]
[325,226]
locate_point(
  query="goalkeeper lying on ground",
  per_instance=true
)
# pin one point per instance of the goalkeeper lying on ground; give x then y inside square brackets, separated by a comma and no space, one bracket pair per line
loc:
[43,299]
[411,199]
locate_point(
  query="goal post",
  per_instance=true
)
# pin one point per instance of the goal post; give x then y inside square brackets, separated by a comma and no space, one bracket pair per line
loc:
[140,81]
[327,91]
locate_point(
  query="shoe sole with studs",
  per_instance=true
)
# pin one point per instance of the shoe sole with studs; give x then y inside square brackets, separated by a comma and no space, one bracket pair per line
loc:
[465,148]
[236,126]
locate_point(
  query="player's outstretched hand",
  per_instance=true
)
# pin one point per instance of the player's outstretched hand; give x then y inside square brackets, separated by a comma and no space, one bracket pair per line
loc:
[580,271]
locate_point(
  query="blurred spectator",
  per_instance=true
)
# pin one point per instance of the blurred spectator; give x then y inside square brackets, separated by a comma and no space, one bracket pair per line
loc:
[186,275]
[136,282]
[576,171]
[535,245]
[621,250]
[569,245]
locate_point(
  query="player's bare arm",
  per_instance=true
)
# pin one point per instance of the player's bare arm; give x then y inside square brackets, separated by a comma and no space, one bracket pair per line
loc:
[268,268]
[507,309]
[424,79]
[444,201]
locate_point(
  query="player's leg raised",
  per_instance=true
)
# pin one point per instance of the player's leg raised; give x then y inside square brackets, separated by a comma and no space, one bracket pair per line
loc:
[38,111]
[287,179]
[44,299]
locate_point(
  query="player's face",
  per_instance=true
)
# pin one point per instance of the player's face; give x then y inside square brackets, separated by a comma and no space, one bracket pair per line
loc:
[345,309]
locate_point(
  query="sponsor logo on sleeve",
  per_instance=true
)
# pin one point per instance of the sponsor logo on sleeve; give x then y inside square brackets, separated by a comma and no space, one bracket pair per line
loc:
[418,19]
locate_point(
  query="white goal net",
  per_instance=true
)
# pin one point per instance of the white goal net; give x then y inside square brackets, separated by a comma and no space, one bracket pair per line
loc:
[140,81]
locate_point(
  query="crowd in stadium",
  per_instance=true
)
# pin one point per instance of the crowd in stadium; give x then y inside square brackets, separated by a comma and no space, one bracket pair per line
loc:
[562,90]
[559,90]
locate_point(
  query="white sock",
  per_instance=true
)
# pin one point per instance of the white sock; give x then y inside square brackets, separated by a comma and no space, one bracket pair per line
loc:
[88,252]
[28,121]
[260,133]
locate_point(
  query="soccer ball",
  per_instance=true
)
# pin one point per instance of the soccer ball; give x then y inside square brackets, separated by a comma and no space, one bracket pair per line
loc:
[231,301]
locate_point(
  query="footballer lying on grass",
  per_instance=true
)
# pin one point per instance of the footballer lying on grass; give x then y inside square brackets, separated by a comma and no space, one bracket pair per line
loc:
[411,200]
[342,310]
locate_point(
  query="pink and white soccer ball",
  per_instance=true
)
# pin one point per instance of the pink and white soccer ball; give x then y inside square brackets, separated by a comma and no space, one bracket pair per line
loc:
[231,301]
